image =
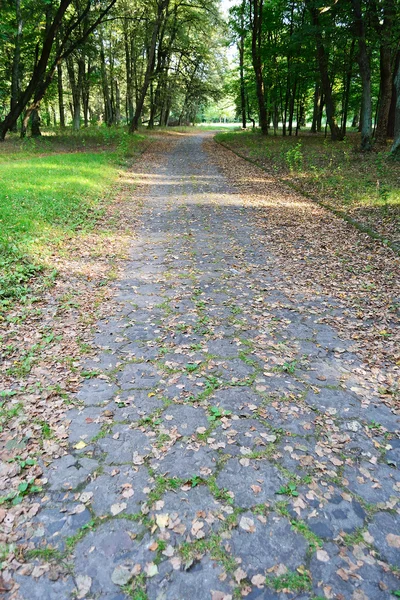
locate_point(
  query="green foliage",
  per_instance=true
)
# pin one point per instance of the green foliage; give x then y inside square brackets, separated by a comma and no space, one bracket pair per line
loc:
[294,157]
[24,489]
[217,413]
[288,490]
[299,581]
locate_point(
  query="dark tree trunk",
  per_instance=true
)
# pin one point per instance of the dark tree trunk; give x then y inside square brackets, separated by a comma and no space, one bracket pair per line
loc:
[291,107]
[242,82]
[162,6]
[128,72]
[392,110]
[256,9]
[105,86]
[395,150]
[43,75]
[86,94]
[76,85]
[117,103]
[61,108]
[365,72]
[16,68]
[346,90]
[35,123]
[322,59]
[386,76]
[317,100]
[356,120]
[38,72]
[320,113]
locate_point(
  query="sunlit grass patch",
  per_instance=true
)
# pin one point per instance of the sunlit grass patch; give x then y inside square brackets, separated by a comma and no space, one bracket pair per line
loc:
[49,192]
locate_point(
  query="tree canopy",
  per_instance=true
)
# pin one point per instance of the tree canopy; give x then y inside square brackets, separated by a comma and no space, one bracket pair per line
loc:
[161,62]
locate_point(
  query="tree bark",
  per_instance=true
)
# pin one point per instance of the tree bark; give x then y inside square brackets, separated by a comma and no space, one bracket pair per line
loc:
[256,10]
[105,85]
[365,72]
[392,110]
[347,87]
[162,6]
[61,108]
[43,75]
[16,68]
[38,71]
[128,73]
[395,149]
[386,76]
[35,123]
[326,85]
[317,100]
[242,83]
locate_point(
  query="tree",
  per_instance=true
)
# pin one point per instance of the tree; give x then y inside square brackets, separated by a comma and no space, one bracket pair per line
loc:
[256,23]
[73,26]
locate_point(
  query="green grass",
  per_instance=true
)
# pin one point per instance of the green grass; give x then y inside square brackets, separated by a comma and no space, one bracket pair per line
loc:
[52,189]
[294,581]
[363,186]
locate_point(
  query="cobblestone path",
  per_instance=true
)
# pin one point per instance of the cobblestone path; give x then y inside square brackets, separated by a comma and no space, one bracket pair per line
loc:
[227,445]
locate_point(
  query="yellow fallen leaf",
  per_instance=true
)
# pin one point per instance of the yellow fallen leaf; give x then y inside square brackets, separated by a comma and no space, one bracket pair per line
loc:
[162,521]
[80,445]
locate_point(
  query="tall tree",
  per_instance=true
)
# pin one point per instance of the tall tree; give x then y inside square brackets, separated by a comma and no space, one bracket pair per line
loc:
[256,23]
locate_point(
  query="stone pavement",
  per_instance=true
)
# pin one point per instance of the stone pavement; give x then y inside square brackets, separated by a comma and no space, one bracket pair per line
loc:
[224,447]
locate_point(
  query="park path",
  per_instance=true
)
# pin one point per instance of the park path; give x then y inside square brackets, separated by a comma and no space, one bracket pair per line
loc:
[228,444]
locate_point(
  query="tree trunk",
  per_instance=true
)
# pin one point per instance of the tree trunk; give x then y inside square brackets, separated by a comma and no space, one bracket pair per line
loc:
[76,88]
[16,70]
[117,103]
[128,72]
[291,107]
[150,124]
[320,113]
[105,86]
[395,150]
[38,72]
[162,6]
[61,108]
[385,64]
[346,90]
[86,93]
[365,72]
[322,59]
[392,110]
[317,99]
[242,83]
[256,9]
[35,123]
[356,120]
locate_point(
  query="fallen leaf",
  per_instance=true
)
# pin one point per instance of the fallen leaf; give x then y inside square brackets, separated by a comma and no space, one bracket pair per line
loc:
[247,524]
[118,508]
[80,445]
[151,569]
[239,574]
[162,520]
[322,556]
[121,575]
[258,580]
[83,585]
[393,540]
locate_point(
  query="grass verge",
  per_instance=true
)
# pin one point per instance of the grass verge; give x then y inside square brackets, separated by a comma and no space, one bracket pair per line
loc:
[53,189]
